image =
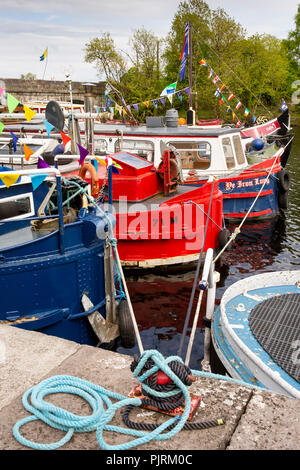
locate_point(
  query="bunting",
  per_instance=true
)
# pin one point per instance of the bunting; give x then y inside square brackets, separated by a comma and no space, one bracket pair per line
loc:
[1,127]
[231,96]
[83,153]
[29,113]
[65,138]
[12,102]
[49,127]
[28,152]
[42,164]
[36,180]
[15,140]
[8,180]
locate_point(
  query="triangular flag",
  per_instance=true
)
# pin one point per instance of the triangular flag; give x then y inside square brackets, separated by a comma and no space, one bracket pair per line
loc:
[36,180]
[210,73]
[1,127]
[83,153]
[179,95]
[65,138]
[42,163]
[29,113]
[170,98]
[12,102]
[28,152]
[15,140]
[187,90]
[136,106]
[48,126]
[8,180]
[170,89]
[163,101]
[114,170]
[102,162]
[1,91]
[154,102]
[203,62]
[254,119]
[146,103]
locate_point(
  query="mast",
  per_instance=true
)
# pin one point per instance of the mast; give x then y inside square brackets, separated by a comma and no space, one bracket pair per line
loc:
[190,66]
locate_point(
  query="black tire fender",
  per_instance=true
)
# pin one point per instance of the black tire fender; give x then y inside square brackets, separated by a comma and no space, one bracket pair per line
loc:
[283,200]
[284,181]
[126,329]
[224,236]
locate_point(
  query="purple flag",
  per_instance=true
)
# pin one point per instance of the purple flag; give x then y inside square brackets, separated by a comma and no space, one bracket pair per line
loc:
[83,153]
[187,90]
[42,163]
[162,100]
[136,106]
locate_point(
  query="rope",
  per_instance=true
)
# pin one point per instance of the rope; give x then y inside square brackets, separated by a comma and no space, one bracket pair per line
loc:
[96,396]
[187,318]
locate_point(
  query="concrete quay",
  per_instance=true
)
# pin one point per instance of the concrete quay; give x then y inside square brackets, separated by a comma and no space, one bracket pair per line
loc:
[255,419]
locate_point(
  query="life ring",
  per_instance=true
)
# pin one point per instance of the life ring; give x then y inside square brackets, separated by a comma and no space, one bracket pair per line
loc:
[126,329]
[284,181]
[95,185]
[174,170]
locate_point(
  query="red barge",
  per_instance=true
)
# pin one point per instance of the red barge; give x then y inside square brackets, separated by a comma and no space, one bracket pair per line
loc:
[159,221]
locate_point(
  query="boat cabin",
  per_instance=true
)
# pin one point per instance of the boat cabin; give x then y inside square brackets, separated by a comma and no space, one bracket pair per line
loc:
[203,152]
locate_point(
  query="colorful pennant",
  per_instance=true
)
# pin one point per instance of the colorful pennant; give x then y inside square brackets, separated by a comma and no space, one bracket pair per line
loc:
[28,152]
[83,153]
[48,126]
[29,113]
[12,102]
[8,180]
[1,127]
[15,140]
[42,164]
[36,180]
[65,138]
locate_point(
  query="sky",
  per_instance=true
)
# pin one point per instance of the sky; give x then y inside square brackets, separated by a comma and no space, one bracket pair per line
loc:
[28,27]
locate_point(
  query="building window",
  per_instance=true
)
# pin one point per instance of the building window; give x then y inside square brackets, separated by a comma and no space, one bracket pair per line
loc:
[228,152]
[194,155]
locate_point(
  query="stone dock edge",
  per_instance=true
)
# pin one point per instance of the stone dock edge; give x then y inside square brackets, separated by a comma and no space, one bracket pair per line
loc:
[254,419]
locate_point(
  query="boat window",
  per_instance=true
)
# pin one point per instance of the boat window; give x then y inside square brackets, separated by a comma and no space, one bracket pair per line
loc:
[16,207]
[238,149]
[101,147]
[228,152]
[194,154]
[142,148]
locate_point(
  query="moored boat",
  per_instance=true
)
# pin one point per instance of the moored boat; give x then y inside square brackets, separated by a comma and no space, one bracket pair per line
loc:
[255,331]
[55,252]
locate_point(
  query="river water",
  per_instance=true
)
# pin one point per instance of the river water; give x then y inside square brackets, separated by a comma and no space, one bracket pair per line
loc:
[160,303]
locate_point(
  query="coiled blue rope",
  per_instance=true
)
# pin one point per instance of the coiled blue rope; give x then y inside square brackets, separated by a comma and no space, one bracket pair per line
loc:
[97,397]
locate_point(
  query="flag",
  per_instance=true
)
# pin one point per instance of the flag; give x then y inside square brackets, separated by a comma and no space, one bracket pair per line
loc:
[228,108]
[107,89]
[169,89]
[254,119]
[1,127]
[15,140]
[65,138]
[163,101]
[222,87]
[230,96]
[217,92]
[83,153]
[1,91]
[203,62]
[233,115]
[210,73]
[44,55]
[136,106]
[146,103]
[238,105]
[8,180]
[246,112]
[187,91]
[222,100]
[154,102]
[48,126]
[28,152]
[12,102]
[29,113]
[238,124]
[216,79]
[185,52]
[283,106]
[36,180]
[42,163]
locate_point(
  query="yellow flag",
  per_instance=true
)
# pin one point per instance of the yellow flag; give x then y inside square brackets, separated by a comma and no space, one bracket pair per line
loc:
[28,152]
[146,103]
[102,162]
[8,180]
[29,113]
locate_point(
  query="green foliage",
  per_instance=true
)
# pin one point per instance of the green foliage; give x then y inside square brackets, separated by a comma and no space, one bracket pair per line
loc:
[259,70]
[28,76]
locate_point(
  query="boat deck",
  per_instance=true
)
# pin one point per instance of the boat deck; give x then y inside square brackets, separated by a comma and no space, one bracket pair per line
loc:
[275,323]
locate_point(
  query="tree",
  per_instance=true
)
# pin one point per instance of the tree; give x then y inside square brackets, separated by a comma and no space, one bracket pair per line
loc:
[28,76]
[108,61]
